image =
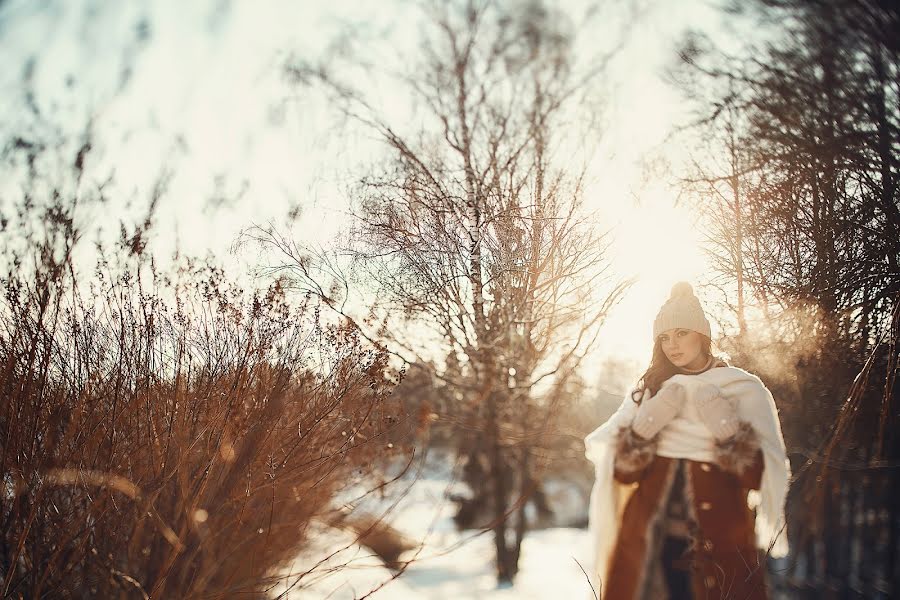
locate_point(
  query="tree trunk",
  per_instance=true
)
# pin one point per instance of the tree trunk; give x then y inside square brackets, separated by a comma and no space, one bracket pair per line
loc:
[500,493]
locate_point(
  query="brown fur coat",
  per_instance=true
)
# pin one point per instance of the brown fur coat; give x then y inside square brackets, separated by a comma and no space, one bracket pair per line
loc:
[722,557]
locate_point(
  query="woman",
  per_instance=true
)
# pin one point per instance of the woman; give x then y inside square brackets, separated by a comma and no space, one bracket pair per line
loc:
[694,447]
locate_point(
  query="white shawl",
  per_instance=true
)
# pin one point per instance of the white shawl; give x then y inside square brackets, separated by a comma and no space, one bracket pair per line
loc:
[686,437]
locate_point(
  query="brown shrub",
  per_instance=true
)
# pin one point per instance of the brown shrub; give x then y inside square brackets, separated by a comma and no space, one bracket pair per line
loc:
[169,435]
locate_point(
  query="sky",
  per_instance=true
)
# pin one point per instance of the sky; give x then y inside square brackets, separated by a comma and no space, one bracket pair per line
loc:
[195,92]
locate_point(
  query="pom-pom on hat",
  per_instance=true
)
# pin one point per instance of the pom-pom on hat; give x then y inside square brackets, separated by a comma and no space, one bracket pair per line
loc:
[683,310]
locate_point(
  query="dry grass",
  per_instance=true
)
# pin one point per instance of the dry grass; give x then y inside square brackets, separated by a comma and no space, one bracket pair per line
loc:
[168,435]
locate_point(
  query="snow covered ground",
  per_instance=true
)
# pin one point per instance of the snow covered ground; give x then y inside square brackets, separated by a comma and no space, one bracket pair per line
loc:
[450,564]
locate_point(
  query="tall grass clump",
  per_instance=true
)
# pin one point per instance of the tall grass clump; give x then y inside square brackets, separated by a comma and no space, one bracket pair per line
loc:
[168,434]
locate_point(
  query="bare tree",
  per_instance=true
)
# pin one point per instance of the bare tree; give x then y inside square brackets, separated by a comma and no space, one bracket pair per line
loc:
[805,216]
[473,231]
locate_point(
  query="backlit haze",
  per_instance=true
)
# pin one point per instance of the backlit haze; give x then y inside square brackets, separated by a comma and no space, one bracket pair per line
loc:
[197,91]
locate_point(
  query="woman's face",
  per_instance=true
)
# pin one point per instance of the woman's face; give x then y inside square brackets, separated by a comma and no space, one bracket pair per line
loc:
[684,347]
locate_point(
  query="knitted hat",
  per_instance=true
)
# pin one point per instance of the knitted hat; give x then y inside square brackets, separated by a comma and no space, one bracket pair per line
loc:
[683,310]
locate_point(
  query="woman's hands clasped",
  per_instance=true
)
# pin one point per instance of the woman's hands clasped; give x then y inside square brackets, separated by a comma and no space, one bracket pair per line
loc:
[718,413]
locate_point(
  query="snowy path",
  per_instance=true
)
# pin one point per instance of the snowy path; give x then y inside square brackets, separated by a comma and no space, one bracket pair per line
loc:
[445,567]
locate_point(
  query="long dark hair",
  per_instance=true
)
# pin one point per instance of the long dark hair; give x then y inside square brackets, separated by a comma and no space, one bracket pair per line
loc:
[661,368]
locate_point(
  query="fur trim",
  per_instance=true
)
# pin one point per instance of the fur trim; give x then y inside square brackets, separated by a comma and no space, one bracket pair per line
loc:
[691,504]
[655,585]
[738,453]
[633,453]
[650,576]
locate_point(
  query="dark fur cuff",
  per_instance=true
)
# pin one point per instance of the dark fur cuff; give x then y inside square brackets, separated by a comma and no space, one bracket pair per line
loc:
[738,453]
[633,453]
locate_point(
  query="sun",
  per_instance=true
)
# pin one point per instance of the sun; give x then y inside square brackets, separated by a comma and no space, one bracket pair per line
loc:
[655,243]
[658,241]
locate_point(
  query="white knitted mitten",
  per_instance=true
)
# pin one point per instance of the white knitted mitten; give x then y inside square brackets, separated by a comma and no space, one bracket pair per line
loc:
[656,411]
[717,412]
